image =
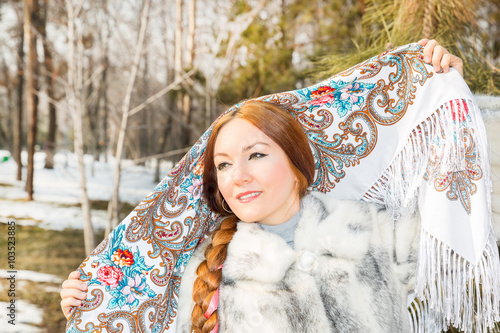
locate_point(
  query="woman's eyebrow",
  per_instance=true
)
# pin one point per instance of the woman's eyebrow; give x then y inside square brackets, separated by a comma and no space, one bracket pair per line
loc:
[247,148]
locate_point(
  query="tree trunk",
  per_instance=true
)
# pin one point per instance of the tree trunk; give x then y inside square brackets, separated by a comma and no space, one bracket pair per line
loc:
[190,47]
[189,64]
[92,113]
[50,142]
[113,213]
[104,83]
[178,63]
[7,135]
[30,10]
[18,116]
[76,106]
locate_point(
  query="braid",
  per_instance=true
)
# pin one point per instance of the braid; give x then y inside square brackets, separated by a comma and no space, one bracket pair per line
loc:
[210,275]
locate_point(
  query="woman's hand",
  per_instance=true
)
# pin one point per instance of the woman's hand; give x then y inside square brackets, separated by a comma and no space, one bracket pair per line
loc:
[440,58]
[72,294]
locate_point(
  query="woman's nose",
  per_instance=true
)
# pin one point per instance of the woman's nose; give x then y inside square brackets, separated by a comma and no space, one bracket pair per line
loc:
[241,174]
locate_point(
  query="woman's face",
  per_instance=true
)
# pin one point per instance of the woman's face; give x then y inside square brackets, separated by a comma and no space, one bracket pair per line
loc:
[254,175]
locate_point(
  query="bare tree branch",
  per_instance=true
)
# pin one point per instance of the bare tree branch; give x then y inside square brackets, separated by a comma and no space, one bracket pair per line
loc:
[162,92]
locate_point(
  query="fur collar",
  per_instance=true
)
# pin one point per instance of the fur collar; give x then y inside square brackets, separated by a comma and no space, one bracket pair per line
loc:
[326,226]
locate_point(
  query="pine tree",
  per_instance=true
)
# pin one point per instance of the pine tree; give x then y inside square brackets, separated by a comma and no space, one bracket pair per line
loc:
[459,25]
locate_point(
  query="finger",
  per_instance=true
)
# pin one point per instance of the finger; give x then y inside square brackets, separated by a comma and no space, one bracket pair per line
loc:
[429,50]
[437,55]
[74,284]
[423,41]
[445,62]
[67,306]
[73,293]
[74,275]
[457,63]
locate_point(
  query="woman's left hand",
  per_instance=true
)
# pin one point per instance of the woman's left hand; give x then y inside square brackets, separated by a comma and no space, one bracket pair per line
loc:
[440,58]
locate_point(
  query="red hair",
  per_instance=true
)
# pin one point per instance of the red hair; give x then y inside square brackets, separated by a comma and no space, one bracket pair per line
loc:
[279,125]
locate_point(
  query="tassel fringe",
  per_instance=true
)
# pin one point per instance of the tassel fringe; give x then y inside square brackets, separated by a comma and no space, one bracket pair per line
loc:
[397,189]
[450,291]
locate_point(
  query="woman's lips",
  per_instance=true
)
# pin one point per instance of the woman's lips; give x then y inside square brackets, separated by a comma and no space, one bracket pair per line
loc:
[248,196]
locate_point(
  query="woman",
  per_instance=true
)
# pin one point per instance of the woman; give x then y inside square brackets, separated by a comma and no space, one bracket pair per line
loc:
[281,208]
[295,262]
[338,272]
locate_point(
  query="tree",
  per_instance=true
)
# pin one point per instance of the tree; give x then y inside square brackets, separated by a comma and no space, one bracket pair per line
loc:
[190,48]
[30,24]
[18,113]
[224,51]
[50,75]
[75,98]
[113,212]
[454,23]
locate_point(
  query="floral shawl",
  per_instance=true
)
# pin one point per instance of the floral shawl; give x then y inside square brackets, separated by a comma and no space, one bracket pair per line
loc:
[389,131]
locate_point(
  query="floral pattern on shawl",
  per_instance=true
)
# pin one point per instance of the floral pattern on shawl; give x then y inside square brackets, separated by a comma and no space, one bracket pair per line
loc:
[122,272]
[340,95]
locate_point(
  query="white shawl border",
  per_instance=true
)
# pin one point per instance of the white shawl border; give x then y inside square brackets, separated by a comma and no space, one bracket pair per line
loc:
[454,287]
[452,291]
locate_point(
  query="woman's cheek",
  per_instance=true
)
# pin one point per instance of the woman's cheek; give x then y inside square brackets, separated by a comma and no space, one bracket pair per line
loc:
[224,183]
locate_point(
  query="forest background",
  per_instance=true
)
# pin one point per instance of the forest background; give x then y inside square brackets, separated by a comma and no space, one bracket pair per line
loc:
[140,80]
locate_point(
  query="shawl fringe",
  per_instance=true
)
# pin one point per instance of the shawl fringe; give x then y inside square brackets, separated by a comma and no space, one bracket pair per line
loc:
[449,290]
[452,292]
[397,189]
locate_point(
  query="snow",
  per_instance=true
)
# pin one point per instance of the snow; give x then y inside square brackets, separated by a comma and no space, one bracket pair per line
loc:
[31,276]
[26,315]
[57,191]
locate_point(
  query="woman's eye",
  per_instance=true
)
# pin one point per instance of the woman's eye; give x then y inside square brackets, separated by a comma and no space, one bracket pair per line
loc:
[222,166]
[257,155]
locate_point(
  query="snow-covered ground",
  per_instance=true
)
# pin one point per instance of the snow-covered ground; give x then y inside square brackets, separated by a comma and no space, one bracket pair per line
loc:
[57,191]
[27,316]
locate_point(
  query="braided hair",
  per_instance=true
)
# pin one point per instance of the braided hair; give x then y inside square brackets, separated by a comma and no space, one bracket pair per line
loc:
[279,125]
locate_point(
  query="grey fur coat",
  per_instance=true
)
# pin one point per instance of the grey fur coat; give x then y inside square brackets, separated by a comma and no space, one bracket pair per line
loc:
[350,271]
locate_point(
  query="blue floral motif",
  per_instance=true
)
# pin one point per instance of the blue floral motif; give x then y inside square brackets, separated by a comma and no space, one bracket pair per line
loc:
[193,186]
[183,259]
[130,294]
[122,272]
[340,95]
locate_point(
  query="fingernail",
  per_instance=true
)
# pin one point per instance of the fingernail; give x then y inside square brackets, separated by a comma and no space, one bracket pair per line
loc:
[436,68]
[83,295]
[427,59]
[84,286]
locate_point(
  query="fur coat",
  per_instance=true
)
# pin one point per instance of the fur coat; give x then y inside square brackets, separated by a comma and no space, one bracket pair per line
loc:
[350,270]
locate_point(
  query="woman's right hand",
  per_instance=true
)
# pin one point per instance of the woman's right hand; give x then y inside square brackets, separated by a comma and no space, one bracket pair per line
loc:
[72,294]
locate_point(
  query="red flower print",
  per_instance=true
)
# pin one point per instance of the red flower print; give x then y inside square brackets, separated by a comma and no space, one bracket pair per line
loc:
[123,258]
[110,275]
[323,100]
[321,91]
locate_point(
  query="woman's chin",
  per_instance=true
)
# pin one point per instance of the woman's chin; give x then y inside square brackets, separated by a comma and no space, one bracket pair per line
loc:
[248,217]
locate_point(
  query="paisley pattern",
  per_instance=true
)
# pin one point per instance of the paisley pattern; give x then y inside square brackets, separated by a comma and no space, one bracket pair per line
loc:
[341,117]
[134,275]
[459,184]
